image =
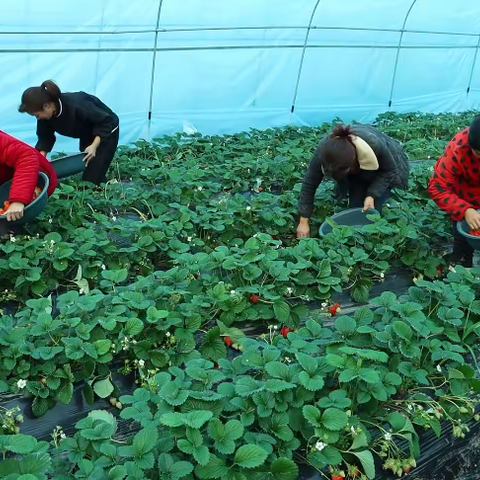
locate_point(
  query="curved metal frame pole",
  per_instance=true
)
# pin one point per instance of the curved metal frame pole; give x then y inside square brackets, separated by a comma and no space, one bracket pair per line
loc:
[302,58]
[395,68]
[473,66]
[154,63]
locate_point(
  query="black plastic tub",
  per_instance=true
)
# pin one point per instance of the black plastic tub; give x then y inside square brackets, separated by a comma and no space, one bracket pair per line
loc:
[33,209]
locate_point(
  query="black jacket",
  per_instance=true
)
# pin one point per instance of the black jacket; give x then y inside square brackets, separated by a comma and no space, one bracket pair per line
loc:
[392,173]
[79,115]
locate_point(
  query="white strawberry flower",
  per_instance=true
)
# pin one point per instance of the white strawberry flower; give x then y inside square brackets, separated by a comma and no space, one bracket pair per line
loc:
[13,239]
[141,363]
[103,267]
[63,436]
[232,292]
[114,218]
[382,275]
[248,208]
[189,239]
[439,369]
[50,220]
[199,189]
[167,334]
[319,446]
[21,383]
[289,290]
[388,437]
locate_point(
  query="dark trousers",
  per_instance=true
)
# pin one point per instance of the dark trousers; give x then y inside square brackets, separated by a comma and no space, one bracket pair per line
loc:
[357,191]
[97,168]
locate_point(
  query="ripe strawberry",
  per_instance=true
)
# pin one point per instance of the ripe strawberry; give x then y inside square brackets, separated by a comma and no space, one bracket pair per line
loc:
[285,331]
[196,275]
[215,365]
[407,470]
[260,189]
[334,309]
[227,341]
[337,477]
[254,298]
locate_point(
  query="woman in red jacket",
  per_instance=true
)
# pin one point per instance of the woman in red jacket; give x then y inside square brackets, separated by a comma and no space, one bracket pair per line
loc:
[20,162]
[455,187]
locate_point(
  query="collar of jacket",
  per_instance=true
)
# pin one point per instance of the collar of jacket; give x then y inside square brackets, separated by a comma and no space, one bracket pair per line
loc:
[60,108]
[365,155]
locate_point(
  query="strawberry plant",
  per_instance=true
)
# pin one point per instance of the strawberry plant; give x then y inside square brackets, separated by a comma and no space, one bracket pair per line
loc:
[163,272]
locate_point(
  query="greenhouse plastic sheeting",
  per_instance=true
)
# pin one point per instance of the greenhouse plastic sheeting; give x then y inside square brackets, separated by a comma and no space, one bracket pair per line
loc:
[221,66]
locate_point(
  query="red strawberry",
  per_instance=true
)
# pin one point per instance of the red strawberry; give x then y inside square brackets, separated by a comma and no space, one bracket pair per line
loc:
[407,469]
[285,331]
[215,365]
[227,341]
[196,275]
[260,189]
[334,309]
[275,237]
[337,477]
[254,298]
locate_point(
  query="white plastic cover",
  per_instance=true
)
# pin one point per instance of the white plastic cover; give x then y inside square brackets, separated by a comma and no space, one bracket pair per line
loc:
[222,66]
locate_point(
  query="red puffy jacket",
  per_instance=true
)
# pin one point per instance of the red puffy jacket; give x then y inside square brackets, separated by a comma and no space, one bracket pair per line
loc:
[22,163]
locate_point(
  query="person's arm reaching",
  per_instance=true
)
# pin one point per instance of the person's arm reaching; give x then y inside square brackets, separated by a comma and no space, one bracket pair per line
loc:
[46,137]
[102,126]
[442,191]
[311,181]
[26,165]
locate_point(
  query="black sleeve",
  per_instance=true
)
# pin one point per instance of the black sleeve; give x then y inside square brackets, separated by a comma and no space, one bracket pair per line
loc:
[103,123]
[46,136]
[311,181]
[386,173]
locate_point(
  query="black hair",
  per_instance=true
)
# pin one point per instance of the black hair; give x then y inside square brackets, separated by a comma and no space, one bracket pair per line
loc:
[34,98]
[337,153]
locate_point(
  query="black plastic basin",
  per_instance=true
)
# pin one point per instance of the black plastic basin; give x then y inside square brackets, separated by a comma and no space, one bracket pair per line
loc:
[472,240]
[67,166]
[33,209]
[353,217]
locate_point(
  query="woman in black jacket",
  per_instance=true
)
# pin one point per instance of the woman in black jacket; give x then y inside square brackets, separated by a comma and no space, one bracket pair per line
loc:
[366,164]
[77,115]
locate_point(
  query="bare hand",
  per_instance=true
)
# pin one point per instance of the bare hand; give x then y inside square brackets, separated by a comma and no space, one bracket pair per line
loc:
[91,151]
[368,204]
[473,218]
[15,211]
[303,229]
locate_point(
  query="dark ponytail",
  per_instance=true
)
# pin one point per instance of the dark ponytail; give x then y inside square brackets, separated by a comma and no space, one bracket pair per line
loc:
[34,98]
[337,153]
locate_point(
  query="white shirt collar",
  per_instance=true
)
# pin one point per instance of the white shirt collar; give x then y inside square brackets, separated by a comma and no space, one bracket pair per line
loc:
[61,108]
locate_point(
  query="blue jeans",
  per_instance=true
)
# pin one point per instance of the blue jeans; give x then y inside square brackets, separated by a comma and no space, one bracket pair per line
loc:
[357,191]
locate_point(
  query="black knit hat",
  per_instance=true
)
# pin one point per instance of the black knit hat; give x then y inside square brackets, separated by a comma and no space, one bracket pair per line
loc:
[474,134]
